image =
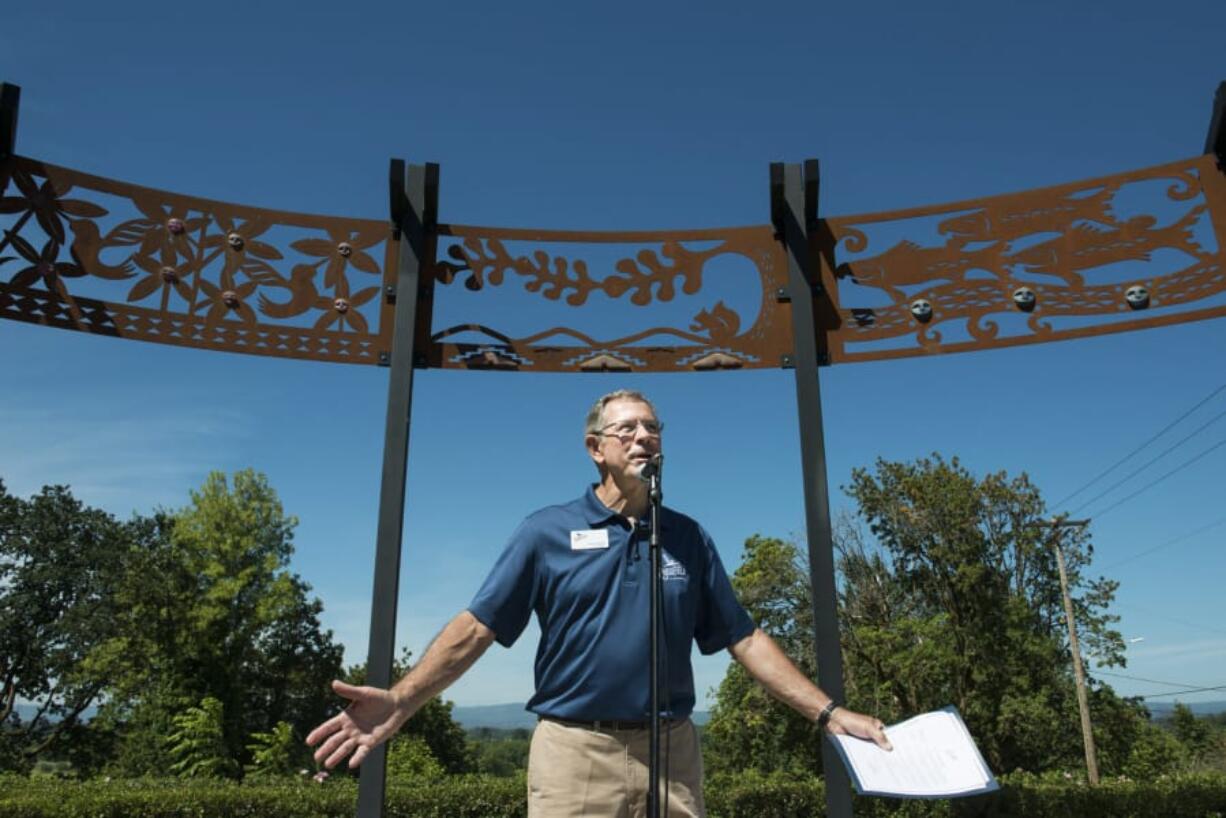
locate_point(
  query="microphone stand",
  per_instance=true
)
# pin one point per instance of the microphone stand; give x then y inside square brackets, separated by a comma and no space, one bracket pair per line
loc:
[657,498]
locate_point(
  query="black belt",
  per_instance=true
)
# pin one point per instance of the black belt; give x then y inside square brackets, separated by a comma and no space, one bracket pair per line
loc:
[609,724]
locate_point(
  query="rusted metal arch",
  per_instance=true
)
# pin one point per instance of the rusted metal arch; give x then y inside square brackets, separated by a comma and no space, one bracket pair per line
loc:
[113,258]
[126,261]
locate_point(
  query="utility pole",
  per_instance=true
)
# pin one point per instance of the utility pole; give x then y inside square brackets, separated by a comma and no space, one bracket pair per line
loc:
[1057,524]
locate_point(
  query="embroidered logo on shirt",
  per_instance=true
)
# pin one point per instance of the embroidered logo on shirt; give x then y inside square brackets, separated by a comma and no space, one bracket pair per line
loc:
[589,540]
[672,568]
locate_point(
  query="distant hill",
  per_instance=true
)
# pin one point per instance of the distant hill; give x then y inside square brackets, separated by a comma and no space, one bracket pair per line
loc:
[25,712]
[499,716]
[1162,710]
[511,716]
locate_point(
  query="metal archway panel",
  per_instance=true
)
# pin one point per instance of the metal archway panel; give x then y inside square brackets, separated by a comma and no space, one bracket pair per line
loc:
[86,253]
[1116,253]
[91,254]
[112,258]
[641,270]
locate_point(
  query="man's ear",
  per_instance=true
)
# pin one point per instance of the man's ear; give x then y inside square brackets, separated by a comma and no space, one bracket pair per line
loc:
[592,443]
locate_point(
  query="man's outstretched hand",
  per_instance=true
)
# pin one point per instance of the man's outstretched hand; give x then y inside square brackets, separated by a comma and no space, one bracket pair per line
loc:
[372,717]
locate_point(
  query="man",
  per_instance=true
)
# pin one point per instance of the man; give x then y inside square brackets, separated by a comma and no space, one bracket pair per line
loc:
[582,567]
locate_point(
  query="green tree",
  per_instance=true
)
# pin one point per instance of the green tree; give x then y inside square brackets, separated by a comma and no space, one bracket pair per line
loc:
[277,753]
[1155,752]
[748,729]
[59,564]
[198,743]
[1196,735]
[211,610]
[956,600]
[501,753]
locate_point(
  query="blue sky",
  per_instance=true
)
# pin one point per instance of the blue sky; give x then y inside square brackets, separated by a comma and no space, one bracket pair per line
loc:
[646,116]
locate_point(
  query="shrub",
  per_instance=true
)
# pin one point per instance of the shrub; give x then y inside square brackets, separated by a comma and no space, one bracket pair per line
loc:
[273,754]
[409,759]
[198,743]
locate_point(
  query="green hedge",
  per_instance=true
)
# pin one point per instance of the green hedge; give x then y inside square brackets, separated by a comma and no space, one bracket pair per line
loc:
[1189,795]
[751,796]
[461,797]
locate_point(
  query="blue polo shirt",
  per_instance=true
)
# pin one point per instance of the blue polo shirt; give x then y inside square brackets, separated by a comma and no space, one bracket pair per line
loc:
[585,572]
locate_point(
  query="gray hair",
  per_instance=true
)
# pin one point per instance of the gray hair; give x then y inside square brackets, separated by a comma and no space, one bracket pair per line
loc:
[595,415]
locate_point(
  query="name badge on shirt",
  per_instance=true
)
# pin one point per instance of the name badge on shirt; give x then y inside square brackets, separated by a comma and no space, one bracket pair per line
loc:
[589,540]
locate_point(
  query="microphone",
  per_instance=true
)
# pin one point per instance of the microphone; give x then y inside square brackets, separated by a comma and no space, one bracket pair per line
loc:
[652,468]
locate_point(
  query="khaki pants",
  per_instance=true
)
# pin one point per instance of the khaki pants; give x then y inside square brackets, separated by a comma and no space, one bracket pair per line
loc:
[573,771]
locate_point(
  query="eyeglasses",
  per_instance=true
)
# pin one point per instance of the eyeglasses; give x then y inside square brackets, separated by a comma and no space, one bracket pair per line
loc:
[624,430]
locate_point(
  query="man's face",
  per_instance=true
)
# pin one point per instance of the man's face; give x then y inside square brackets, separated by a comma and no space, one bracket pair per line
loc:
[629,437]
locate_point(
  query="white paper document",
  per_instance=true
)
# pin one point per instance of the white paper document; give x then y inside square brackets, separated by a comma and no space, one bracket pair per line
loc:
[934,756]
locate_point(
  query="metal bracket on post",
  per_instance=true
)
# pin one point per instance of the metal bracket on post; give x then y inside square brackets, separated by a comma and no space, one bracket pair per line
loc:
[794,193]
[10,103]
[414,209]
[423,348]
[813,174]
[779,204]
[1215,142]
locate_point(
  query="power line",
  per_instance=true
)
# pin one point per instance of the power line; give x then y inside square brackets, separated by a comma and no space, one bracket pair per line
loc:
[1140,679]
[1179,692]
[1184,622]
[1187,688]
[1153,483]
[1166,544]
[1151,461]
[1128,456]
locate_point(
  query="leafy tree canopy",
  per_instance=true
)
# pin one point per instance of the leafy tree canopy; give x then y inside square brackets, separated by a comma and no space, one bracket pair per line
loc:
[951,596]
[60,562]
[149,618]
[213,611]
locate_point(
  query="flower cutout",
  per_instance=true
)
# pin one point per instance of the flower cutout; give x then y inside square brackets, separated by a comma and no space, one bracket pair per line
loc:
[44,202]
[160,277]
[228,300]
[167,233]
[342,248]
[43,265]
[163,228]
[243,251]
[340,310]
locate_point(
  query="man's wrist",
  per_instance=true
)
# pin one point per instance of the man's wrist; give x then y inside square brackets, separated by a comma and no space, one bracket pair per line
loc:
[402,699]
[823,718]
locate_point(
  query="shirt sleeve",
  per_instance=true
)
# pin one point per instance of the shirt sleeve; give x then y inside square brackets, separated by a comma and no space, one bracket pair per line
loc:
[506,598]
[721,621]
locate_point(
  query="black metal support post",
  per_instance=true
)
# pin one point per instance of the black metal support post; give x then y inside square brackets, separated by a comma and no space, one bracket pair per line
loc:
[414,208]
[1215,142]
[10,102]
[794,194]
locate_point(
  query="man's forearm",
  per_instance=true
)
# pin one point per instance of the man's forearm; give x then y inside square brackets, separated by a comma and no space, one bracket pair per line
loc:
[771,668]
[451,653]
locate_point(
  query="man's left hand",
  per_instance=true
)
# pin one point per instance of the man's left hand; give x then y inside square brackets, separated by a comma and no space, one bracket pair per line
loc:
[844,722]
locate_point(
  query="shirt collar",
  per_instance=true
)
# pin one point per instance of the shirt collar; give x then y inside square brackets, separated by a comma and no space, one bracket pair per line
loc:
[596,512]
